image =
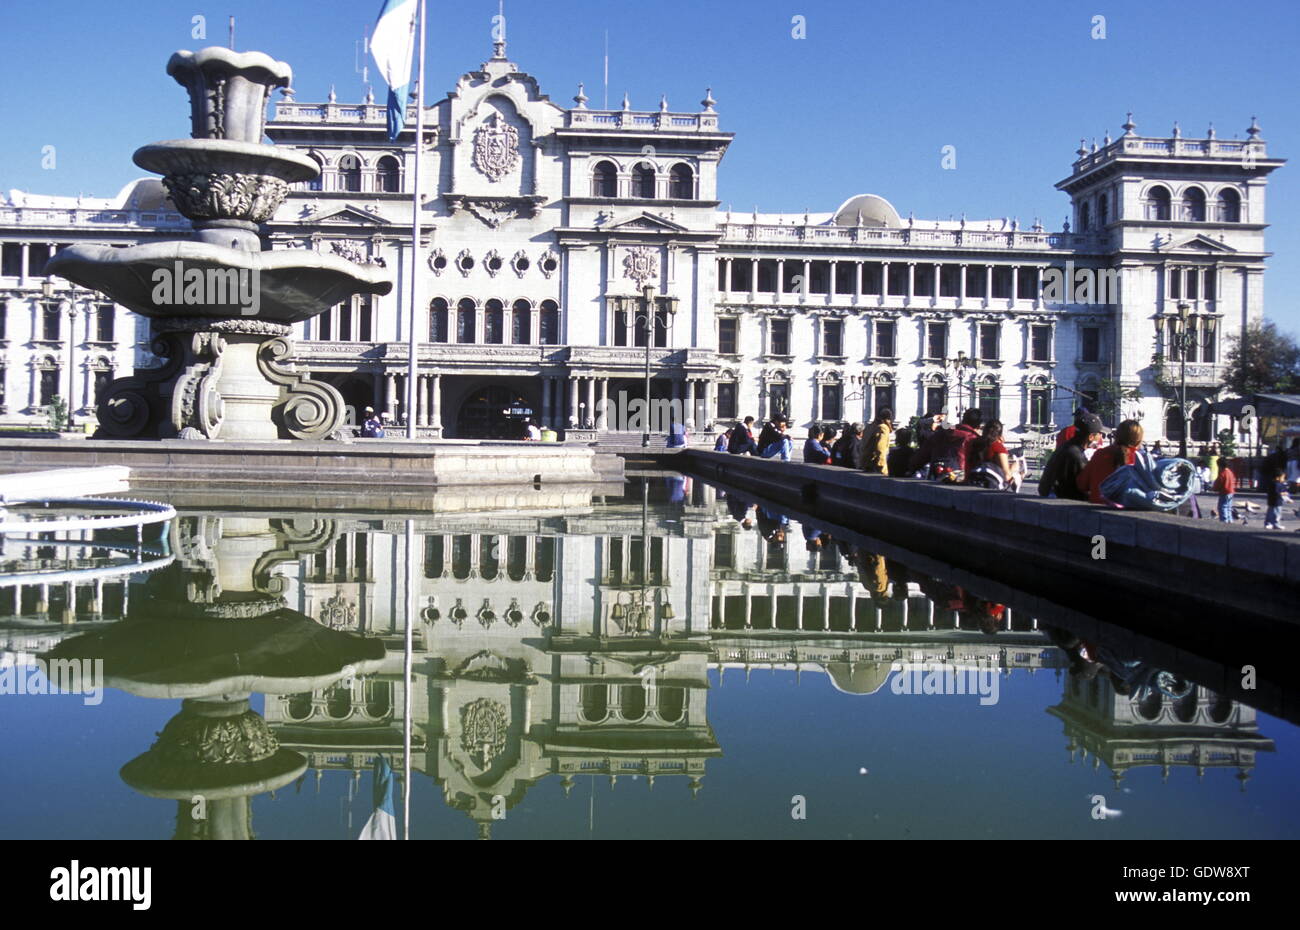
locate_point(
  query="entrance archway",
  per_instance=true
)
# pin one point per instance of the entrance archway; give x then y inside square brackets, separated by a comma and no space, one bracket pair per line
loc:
[493,412]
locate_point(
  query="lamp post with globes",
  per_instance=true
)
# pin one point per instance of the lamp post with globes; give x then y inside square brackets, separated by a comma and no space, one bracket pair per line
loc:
[1184,339]
[48,293]
[959,365]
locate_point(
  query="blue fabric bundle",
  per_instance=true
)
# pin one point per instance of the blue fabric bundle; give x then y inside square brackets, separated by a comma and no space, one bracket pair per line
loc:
[1148,484]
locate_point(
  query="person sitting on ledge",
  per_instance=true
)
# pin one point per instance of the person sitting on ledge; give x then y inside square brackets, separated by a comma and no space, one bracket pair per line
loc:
[773,442]
[372,427]
[742,439]
[1061,474]
[814,450]
[1122,451]
[724,439]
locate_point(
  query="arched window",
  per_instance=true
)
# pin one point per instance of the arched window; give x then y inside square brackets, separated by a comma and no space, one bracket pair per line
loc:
[595,702]
[672,702]
[1194,205]
[350,173]
[494,322]
[550,323]
[388,175]
[438,320]
[1103,210]
[681,183]
[1157,203]
[1229,206]
[643,182]
[521,323]
[465,320]
[1085,217]
[604,180]
[631,701]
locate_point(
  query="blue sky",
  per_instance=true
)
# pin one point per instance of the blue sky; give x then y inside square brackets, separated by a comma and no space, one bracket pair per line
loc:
[864,103]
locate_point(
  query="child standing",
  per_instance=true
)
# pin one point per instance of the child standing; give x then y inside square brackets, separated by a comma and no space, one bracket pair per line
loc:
[1277,496]
[1226,486]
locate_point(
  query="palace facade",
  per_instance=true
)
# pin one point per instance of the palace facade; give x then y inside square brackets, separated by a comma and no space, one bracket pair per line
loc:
[544,224]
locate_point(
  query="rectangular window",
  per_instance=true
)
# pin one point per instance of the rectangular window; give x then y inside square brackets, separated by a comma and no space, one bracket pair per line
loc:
[988,402]
[1207,341]
[1176,283]
[936,399]
[923,281]
[990,334]
[105,317]
[1039,407]
[1001,281]
[871,275]
[365,318]
[51,328]
[845,273]
[49,385]
[832,338]
[727,335]
[975,276]
[323,324]
[37,256]
[883,398]
[620,323]
[11,260]
[897,279]
[1193,282]
[885,339]
[1210,275]
[780,337]
[949,280]
[936,340]
[345,321]
[724,549]
[779,400]
[1040,343]
[465,325]
[790,271]
[1090,344]
[831,402]
[103,379]
[661,326]
[726,400]
[1027,284]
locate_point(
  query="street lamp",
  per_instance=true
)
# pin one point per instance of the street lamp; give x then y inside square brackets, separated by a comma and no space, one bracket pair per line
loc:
[48,293]
[958,365]
[646,319]
[1184,340]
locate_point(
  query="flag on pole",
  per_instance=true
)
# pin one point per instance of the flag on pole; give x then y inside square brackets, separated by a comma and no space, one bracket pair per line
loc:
[382,824]
[392,46]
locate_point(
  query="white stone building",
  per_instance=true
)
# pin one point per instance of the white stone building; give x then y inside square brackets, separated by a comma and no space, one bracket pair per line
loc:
[543,224]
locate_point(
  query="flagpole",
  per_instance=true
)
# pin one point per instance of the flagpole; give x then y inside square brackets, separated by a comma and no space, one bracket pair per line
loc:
[412,366]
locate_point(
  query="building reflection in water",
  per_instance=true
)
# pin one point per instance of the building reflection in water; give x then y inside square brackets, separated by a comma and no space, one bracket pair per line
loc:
[579,643]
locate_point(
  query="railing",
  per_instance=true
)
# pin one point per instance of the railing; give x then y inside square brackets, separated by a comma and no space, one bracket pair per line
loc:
[1012,239]
[78,216]
[376,113]
[1233,149]
[657,120]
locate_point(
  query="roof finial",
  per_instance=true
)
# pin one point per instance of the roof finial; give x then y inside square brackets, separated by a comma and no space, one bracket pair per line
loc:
[1178,133]
[1210,134]
[1106,140]
[332,97]
[581,98]
[1254,130]
[663,103]
[1082,150]
[708,100]
[1129,125]
[627,105]
[499,32]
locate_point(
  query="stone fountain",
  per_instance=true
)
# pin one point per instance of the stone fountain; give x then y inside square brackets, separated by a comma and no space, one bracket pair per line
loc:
[221,308]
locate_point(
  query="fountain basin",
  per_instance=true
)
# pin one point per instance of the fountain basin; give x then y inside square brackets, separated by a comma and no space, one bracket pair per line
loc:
[216,282]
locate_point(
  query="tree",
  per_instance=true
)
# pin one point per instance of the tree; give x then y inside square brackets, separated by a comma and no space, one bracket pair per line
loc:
[58,412]
[1262,359]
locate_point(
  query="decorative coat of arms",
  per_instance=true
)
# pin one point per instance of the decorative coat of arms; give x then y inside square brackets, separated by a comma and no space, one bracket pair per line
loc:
[338,613]
[483,730]
[640,264]
[496,148]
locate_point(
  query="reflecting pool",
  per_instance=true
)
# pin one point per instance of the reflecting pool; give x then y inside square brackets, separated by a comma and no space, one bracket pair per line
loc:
[675,662]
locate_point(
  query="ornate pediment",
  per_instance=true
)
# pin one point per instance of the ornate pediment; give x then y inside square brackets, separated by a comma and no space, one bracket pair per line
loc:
[345,215]
[647,222]
[495,211]
[1200,243]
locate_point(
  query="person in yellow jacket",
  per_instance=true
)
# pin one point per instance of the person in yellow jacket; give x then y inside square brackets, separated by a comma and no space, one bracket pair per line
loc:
[875,454]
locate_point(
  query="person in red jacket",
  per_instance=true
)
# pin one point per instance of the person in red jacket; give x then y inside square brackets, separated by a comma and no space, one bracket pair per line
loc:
[1226,486]
[1123,451]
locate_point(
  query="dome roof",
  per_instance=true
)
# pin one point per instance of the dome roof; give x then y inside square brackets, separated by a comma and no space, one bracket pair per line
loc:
[858,677]
[875,210]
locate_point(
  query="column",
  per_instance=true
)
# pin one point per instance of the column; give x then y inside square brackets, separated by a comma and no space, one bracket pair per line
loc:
[777,285]
[934,288]
[988,284]
[884,285]
[753,279]
[961,287]
[798,607]
[857,282]
[1015,284]
[807,276]
[830,284]
[22,267]
[710,402]
[724,286]
[435,402]
[421,402]
[911,281]
[749,606]
[591,399]
[1038,287]
[390,398]
[573,401]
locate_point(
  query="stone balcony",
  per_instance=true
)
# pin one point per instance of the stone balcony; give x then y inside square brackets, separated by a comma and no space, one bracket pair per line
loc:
[60,218]
[1199,374]
[641,121]
[912,237]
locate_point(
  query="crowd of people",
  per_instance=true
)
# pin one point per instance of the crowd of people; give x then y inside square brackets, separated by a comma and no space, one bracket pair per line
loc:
[1090,463]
